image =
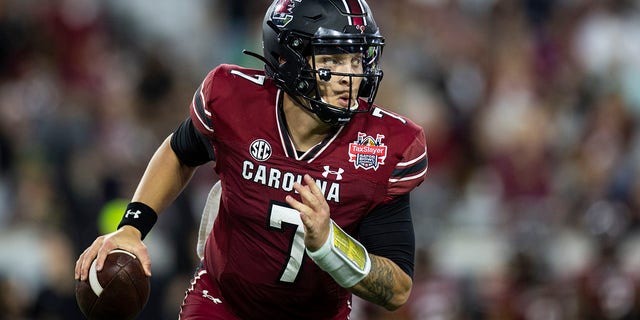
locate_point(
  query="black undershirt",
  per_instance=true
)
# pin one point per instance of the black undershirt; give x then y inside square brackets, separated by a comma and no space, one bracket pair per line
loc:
[387,231]
[191,146]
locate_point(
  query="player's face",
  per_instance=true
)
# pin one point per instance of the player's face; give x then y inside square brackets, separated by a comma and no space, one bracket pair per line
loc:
[339,90]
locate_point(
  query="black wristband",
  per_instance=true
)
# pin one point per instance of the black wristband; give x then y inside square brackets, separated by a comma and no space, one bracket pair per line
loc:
[139,216]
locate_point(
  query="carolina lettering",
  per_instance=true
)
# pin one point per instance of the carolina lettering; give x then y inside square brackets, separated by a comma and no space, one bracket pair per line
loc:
[277,179]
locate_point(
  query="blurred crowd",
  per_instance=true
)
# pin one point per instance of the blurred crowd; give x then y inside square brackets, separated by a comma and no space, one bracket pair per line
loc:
[530,209]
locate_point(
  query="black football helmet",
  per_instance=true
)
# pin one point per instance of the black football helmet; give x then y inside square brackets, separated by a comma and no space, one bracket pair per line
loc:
[294,30]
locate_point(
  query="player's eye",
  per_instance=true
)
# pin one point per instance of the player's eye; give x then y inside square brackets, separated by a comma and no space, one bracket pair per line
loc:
[356,61]
[329,61]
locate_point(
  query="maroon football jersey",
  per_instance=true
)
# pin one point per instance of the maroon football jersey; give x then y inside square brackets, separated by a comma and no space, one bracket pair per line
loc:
[256,250]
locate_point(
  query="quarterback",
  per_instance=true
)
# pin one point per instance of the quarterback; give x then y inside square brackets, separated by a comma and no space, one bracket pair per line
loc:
[314,178]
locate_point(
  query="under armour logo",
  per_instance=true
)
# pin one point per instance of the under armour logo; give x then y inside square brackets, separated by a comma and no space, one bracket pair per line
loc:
[136,214]
[324,74]
[328,171]
[205,294]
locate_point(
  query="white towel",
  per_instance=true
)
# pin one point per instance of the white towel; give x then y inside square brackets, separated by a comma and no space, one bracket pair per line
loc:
[209,214]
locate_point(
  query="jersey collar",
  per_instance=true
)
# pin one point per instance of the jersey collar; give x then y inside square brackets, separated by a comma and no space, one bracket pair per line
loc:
[287,143]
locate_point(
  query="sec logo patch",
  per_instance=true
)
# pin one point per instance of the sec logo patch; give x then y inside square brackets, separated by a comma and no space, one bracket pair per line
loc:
[260,150]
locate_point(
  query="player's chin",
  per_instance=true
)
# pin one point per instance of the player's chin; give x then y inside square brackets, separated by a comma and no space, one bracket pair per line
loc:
[343,103]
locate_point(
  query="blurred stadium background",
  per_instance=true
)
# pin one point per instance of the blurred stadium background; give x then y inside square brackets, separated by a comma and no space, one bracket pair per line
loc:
[531,205]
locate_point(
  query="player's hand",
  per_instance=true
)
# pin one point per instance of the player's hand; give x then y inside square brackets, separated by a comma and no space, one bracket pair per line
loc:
[126,238]
[314,212]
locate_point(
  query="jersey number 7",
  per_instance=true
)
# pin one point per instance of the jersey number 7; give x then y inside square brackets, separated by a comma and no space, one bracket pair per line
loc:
[282,216]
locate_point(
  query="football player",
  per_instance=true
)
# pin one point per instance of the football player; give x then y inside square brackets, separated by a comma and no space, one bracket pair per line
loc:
[314,177]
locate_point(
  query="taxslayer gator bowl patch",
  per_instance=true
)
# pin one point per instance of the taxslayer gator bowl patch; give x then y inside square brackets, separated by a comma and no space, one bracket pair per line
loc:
[367,152]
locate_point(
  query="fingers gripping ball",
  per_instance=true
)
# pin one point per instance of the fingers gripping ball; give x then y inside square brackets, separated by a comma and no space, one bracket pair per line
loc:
[119,291]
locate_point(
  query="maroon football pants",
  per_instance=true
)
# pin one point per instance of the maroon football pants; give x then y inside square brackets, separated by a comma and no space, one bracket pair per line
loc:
[203,300]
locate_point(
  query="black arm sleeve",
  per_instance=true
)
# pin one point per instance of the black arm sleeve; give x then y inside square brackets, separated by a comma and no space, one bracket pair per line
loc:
[388,232]
[191,146]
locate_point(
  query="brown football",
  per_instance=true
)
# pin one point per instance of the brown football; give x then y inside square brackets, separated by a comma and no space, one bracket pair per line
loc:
[119,291]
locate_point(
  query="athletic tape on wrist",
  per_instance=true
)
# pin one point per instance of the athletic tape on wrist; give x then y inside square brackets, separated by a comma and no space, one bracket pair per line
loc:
[343,257]
[139,216]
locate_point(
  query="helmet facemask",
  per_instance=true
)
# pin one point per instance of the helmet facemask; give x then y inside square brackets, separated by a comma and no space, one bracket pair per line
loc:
[326,64]
[295,33]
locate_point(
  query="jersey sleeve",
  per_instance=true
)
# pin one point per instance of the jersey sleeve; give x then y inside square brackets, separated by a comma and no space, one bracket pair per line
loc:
[411,170]
[200,112]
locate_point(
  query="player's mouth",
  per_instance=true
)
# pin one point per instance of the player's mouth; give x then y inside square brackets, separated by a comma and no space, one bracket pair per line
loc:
[344,100]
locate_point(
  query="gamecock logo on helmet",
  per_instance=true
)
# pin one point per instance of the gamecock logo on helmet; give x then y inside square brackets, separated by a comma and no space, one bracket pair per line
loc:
[282,13]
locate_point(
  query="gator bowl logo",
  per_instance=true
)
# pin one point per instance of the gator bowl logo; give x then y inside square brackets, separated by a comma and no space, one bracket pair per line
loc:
[283,12]
[367,152]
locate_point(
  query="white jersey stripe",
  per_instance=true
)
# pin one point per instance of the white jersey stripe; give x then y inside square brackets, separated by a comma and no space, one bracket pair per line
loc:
[410,177]
[284,145]
[193,103]
[410,162]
